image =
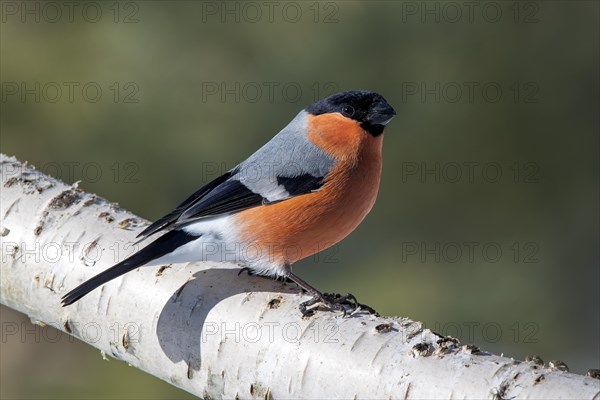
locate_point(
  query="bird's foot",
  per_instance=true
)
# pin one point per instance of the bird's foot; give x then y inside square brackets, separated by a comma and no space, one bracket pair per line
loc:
[346,303]
[329,301]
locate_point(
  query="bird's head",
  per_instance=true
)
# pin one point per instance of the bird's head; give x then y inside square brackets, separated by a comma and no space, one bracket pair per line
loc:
[367,108]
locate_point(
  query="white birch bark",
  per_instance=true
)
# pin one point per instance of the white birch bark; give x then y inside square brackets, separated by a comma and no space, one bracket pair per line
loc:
[214,334]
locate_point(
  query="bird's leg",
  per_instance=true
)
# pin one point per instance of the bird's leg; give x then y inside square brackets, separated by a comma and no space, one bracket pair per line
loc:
[332,301]
[251,273]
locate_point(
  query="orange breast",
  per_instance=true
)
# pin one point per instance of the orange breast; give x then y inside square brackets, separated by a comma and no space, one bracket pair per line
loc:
[304,225]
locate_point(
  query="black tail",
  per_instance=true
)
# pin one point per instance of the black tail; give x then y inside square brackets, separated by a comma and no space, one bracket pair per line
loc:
[161,246]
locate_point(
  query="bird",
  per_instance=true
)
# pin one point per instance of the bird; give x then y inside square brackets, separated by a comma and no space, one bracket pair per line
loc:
[303,191]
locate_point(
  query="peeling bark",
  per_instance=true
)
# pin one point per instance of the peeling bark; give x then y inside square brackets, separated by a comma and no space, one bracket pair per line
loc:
[204,329]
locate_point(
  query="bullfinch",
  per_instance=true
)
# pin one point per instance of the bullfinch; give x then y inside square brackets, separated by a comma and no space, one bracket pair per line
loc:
[302,192]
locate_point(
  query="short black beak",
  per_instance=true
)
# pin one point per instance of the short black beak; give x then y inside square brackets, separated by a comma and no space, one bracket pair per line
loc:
[381,113]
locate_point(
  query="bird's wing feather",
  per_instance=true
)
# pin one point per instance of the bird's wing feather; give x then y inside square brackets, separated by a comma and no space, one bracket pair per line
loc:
[287,166]
[171,217]
[230,196]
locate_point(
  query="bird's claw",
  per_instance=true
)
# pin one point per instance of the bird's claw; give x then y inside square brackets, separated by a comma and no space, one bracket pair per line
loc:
[346,303]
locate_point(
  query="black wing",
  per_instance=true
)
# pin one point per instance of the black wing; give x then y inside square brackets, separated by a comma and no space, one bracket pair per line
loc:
[225,195]
[171,217]
[230,196]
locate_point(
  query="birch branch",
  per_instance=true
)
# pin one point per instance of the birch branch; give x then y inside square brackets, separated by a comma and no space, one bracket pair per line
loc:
[215,334]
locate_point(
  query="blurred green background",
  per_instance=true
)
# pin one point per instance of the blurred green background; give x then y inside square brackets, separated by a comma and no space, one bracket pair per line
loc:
[144,101]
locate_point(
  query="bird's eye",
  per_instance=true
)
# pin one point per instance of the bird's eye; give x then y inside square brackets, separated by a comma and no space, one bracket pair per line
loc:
[348,111]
